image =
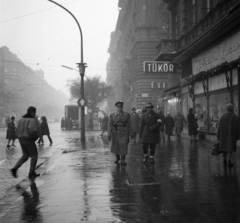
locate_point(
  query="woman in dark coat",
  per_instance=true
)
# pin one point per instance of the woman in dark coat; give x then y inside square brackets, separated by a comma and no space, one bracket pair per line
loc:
[192,125]
[11,132]
[169,125]
[228,134]
[44,131]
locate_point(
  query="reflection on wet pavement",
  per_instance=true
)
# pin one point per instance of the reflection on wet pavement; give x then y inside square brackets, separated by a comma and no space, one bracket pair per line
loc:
[186,184]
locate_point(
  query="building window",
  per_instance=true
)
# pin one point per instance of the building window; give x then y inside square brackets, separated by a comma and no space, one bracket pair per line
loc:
[193,12]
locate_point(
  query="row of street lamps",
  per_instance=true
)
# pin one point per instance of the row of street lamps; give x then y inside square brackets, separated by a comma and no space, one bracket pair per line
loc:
[81,67]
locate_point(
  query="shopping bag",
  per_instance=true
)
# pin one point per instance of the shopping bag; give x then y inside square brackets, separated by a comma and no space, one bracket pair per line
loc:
[216,149]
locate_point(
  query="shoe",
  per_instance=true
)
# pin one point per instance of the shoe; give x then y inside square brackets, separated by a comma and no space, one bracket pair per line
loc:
[8,146]
[50,144]
[33,175]
[145,159]
[123,162]
[14,172]
[152,160]
[116,161]
[230,164]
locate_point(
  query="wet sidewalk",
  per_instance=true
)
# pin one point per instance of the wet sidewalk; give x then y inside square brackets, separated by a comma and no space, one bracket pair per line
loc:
[83,184]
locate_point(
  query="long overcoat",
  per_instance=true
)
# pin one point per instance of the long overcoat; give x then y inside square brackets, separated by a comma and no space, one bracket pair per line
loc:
[11,131]
[169,125]
[192,124]
[149,128]
[105,123]
[135,120]
[119,129]
[178,122]
[44,128]
[228,132]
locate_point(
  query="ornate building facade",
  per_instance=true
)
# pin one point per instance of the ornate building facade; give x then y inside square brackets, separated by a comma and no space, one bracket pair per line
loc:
[131,69]
[206,46]
[21,87]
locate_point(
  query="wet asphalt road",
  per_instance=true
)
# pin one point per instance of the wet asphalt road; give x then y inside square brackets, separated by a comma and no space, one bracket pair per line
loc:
[80,183]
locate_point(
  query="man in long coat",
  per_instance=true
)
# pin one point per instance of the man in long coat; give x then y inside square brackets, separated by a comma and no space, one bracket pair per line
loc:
[135,120]
[228,134]
[169,125]
[119,131]
[149,132]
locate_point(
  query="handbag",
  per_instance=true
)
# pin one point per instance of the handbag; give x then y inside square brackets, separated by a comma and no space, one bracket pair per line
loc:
[216,149]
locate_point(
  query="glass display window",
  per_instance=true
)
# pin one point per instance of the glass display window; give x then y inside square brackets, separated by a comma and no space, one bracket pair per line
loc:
[202,113]
[172,106]
[217,107]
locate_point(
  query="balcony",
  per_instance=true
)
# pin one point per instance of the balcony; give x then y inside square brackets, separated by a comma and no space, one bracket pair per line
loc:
[212,21]
[166,50]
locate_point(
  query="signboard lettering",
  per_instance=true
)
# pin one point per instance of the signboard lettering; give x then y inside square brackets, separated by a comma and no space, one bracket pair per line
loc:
[217,82]
[158,67]
[226,51]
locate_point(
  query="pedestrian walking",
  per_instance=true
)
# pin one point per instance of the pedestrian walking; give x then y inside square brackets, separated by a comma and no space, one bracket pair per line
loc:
[192,125]
[149,132]
[119,130]
[44,131]
[63,123]
[228,134]
[178,123]
[135,120]
[169,125]
[162,127]
[28,131]
[90,123]
[11,132]
[104,123]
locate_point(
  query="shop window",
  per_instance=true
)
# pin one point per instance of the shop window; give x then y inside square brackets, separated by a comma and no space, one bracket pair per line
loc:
[172,106]
[217,106]
[202,113]
[235,102]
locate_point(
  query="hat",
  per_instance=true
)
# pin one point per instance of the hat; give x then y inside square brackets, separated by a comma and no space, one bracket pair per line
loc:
[31,109]
[230,108]
[133,108]
[119,102]
[149,105]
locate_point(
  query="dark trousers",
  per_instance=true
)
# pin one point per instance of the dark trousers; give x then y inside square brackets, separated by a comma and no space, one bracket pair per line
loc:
[152,148]
[29,149]
[41,139]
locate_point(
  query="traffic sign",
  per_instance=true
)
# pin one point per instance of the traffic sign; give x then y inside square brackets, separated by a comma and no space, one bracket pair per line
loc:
[82,102]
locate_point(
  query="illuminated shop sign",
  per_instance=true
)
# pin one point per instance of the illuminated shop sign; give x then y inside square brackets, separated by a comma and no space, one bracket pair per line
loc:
[158,67]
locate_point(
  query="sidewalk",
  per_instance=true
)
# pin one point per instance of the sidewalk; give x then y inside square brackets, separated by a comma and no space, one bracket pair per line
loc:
[82,184]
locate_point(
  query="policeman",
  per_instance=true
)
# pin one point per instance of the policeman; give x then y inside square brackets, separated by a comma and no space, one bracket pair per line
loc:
[119,130]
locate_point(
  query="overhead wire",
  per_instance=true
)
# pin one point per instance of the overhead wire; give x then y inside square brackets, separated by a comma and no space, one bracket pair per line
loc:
[35,12]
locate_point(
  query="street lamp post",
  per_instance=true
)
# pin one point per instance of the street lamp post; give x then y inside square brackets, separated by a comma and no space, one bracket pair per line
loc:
[81,67]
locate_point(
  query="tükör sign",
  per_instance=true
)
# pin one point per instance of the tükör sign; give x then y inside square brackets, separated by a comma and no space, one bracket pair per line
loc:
[158,67]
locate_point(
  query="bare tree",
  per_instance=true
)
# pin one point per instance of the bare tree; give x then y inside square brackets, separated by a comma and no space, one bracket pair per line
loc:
[95,90]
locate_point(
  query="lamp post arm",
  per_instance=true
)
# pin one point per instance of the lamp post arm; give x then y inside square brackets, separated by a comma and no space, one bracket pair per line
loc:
[79,27]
